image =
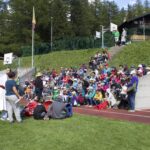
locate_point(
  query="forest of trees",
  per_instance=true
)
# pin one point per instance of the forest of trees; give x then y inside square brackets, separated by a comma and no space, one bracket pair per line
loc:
[74,23]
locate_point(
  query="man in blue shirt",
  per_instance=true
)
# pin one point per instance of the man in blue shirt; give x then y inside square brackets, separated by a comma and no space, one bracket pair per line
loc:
[132,89]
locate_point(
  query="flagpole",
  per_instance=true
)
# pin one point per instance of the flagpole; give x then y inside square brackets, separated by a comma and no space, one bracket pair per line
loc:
[32,48]
[144,28]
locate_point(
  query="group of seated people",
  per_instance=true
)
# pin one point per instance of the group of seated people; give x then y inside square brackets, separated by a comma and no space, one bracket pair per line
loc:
[52,94]
[84,86]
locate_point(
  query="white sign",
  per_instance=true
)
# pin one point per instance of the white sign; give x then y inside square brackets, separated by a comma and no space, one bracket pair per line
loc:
[113,27]
[8,58]
[98,34]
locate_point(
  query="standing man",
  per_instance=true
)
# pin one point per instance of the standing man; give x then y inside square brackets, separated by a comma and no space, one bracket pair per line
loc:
[132,89]
[123,37]
[116,35]
[3,80]
[38,86]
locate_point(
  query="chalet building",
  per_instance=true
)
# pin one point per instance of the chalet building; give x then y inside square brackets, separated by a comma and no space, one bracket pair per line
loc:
[138,29]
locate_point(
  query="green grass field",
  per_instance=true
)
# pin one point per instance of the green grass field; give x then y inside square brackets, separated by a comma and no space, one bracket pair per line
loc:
[76,133]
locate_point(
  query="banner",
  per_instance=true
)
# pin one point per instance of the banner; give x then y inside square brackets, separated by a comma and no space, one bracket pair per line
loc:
[98,34]
[113,27]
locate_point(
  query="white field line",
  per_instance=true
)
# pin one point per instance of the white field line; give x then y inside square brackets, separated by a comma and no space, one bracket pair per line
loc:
[141,110]
[117,113]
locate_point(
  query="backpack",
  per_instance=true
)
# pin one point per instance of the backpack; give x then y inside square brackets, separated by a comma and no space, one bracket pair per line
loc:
[39,112]
[69,111]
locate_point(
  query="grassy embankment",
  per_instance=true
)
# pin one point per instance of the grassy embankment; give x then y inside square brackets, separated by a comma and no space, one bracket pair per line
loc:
[134,54]
[57,59]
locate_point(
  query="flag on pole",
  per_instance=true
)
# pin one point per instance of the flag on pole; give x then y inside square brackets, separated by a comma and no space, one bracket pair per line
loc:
[113,27]
[33,19]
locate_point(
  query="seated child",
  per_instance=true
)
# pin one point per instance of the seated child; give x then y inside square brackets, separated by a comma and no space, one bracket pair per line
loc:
[111,99]
[98,97]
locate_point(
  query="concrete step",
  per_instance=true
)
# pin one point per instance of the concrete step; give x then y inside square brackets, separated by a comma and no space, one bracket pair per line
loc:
[142,100]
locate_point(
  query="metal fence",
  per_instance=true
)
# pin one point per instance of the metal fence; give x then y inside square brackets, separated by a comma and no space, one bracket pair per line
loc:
[70,43]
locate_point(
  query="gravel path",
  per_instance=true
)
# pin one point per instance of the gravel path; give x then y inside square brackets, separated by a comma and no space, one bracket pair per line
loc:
[114,50]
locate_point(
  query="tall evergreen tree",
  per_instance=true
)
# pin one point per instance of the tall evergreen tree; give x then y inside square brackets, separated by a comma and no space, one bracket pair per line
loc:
[146,6]
[6,35]
[130,12]
[81,18]
[138,8]
[61,24]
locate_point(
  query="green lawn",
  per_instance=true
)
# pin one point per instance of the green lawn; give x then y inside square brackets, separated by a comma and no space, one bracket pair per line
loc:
[77,133]
[133,54]
[56,59]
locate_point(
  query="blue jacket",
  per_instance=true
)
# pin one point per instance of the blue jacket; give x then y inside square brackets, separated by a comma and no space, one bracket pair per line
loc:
[133,80]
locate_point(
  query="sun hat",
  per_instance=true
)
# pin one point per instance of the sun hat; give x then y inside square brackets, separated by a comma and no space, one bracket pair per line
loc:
[39,74]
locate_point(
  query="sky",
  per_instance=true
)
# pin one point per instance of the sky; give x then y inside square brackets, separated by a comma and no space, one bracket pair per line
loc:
[120,3]
[123,3]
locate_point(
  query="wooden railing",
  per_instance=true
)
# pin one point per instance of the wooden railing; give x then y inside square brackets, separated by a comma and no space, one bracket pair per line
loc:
[139,37]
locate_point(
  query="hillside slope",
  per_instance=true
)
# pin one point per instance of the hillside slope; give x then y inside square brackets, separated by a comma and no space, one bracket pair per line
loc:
[133,54]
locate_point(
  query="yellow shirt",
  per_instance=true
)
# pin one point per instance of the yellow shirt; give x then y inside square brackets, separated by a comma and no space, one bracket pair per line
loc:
[98,96]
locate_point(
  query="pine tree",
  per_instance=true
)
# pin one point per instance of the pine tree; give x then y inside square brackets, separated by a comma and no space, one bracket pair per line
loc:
[138,8]
[130,12]
[61,24]
[146,6]
[81,18]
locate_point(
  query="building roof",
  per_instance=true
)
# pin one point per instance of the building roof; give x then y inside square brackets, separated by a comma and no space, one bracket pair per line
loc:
[128,23]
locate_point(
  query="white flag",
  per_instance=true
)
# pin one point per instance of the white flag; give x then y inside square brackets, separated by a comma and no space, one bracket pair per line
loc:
[98,34]
[113,27]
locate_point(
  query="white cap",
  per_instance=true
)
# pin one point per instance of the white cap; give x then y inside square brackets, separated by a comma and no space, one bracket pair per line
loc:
[73,92]
[140,66]
[133,72]
[90,88]
[55,87]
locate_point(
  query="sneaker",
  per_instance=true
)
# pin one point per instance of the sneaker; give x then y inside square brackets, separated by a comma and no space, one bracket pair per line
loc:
[131,110]
[2,119]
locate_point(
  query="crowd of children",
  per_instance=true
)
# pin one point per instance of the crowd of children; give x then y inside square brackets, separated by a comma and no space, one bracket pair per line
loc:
[90,85]
[94,85]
